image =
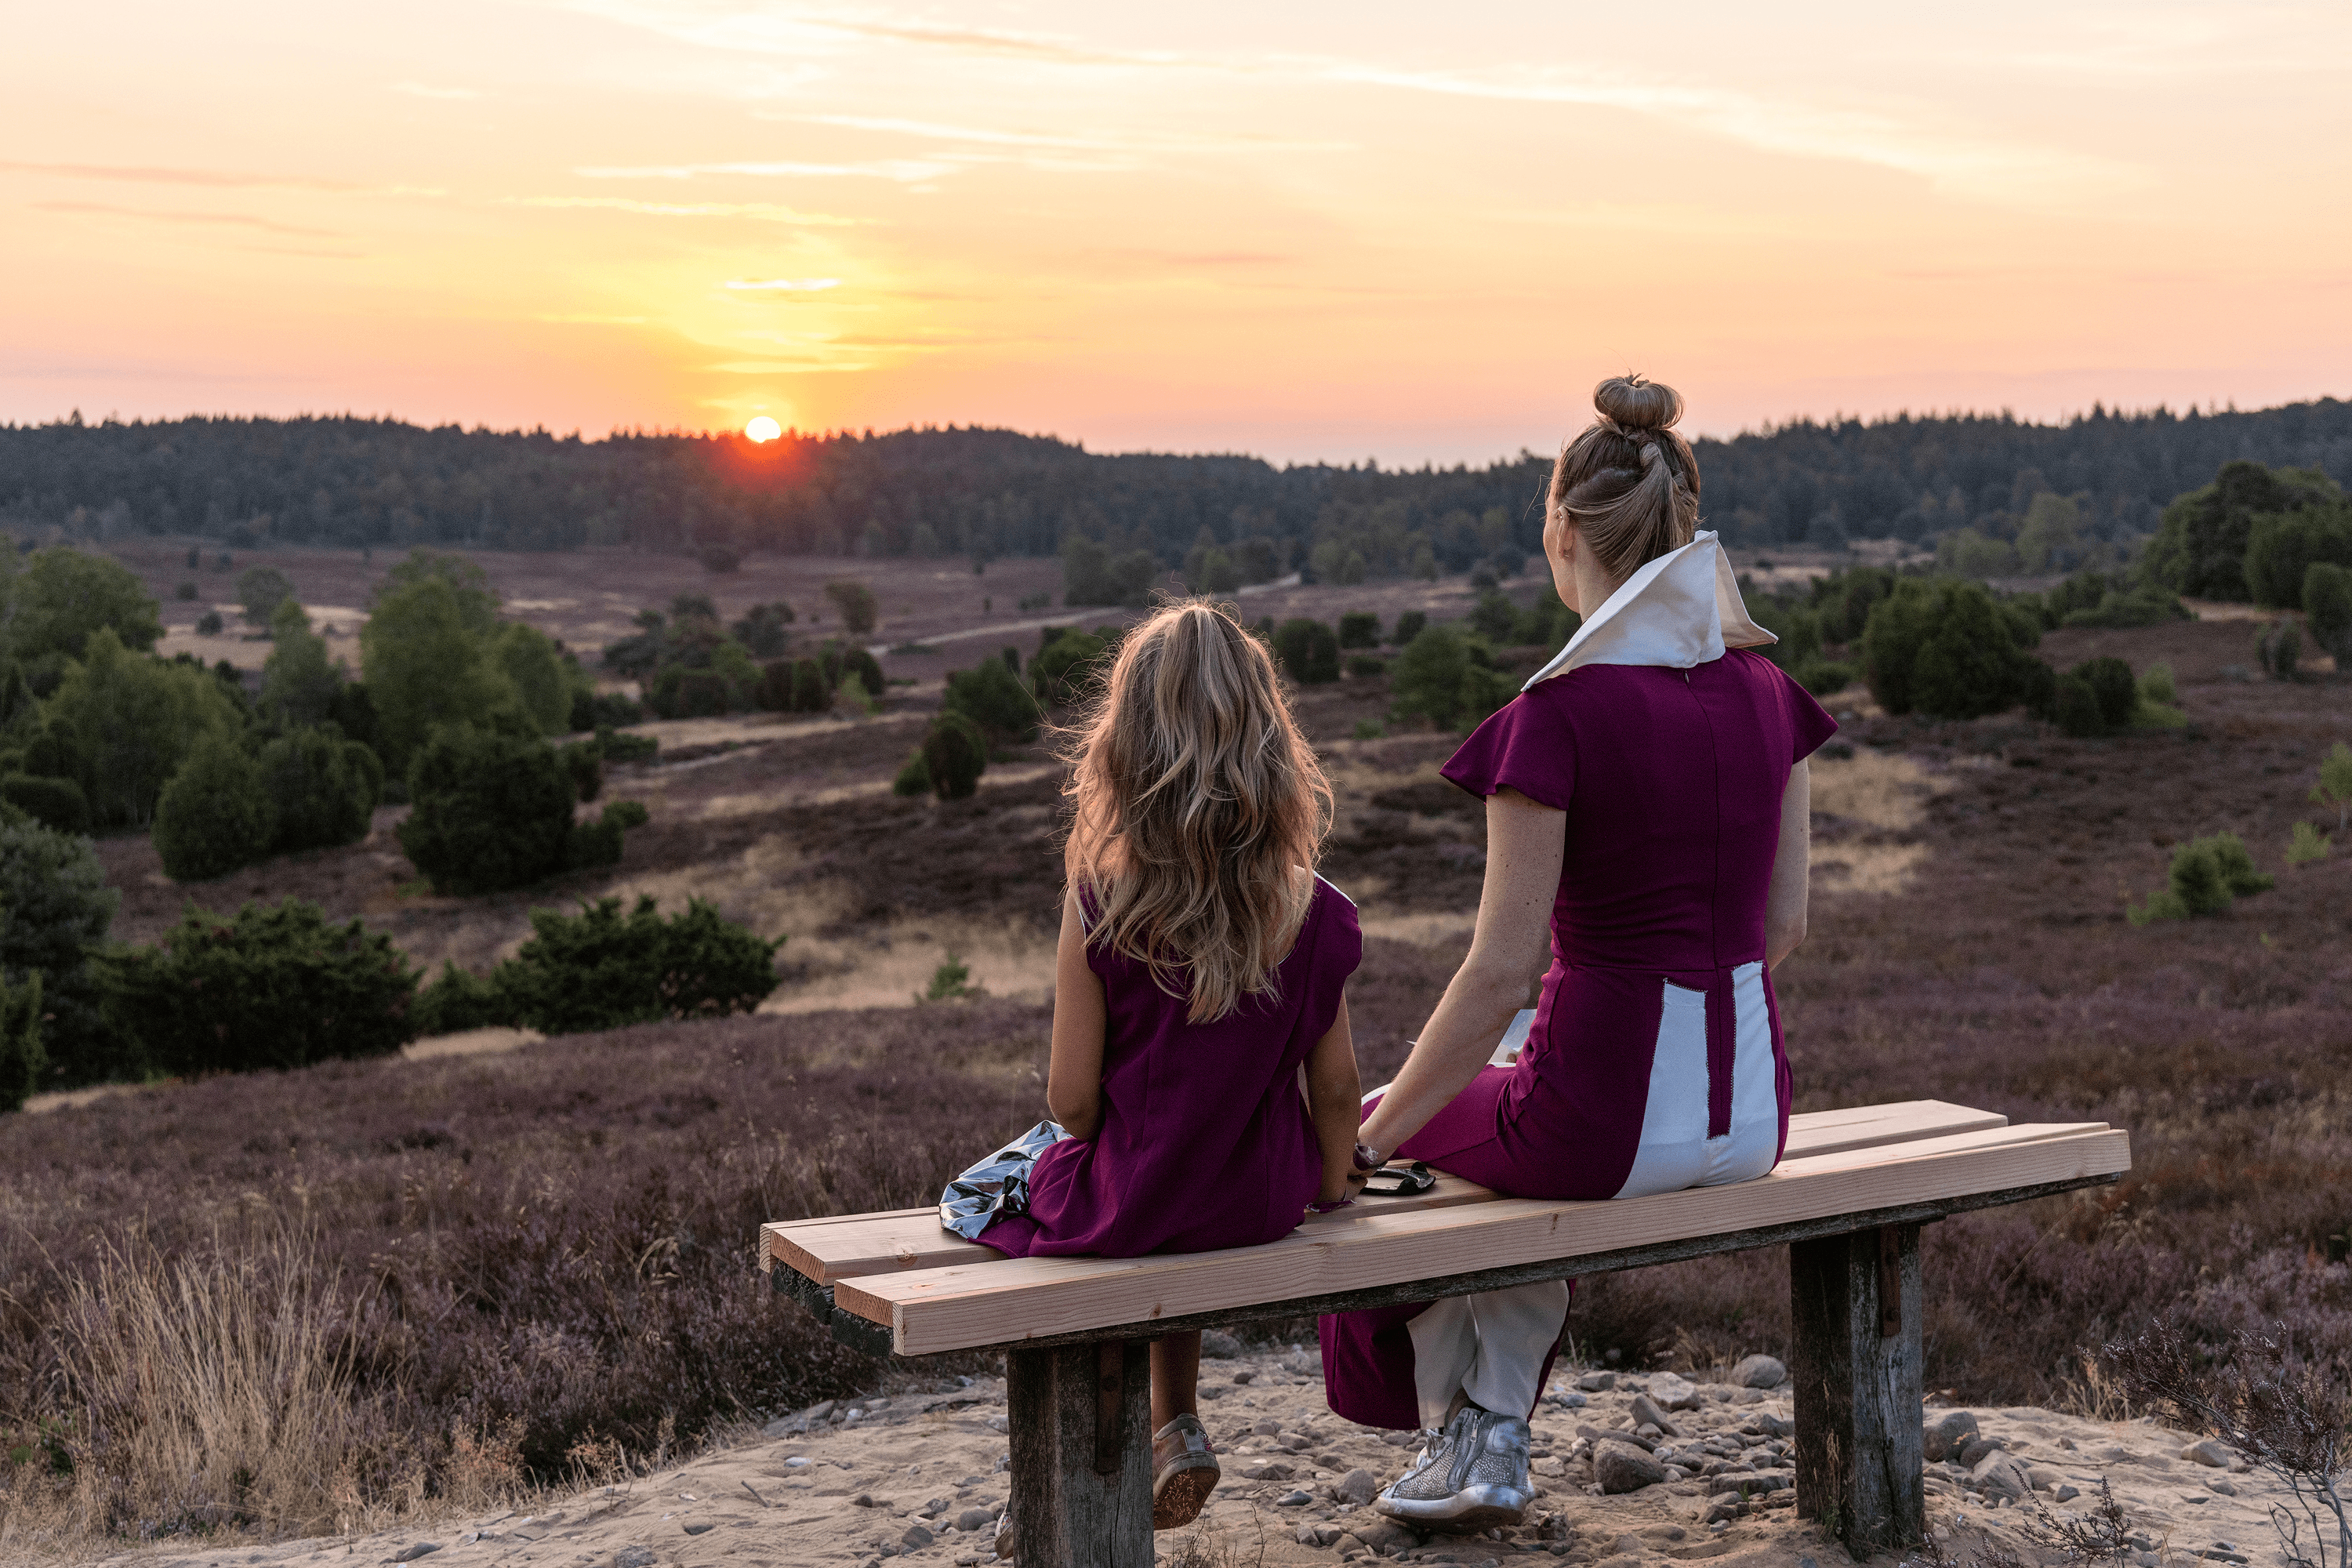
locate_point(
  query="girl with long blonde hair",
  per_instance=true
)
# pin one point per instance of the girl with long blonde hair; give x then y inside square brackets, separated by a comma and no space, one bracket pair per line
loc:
[1203,1081]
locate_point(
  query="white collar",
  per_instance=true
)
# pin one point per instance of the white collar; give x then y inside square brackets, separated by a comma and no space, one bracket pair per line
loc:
[1681,609]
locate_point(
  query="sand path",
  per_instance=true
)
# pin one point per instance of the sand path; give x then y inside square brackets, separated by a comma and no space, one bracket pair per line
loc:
[921,1474]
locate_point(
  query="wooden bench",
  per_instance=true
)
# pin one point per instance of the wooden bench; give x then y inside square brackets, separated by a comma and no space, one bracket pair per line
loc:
[1847,1200]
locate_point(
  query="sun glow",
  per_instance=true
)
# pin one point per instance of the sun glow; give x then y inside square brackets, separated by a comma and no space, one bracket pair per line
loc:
[762,429]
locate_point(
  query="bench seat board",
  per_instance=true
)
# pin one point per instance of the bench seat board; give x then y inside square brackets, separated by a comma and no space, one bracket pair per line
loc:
[843,1246]
[966,1305]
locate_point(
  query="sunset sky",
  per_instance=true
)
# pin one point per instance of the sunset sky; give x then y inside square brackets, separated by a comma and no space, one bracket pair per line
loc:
[1307,230]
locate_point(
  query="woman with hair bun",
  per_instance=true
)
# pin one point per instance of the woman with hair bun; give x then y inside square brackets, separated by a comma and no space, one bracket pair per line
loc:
[1647,807]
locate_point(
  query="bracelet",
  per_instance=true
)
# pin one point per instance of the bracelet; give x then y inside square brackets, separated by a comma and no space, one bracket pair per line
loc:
[1368,1158]
[1333,1207]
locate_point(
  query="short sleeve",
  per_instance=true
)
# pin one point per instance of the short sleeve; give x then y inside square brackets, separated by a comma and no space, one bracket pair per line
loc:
[1808,722]
[1529,744]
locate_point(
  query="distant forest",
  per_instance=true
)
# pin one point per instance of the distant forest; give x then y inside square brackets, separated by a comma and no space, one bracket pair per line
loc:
[982,493]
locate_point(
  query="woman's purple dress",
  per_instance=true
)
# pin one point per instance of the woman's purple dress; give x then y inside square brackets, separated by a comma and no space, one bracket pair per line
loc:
[1655,1059]
[1205,1140]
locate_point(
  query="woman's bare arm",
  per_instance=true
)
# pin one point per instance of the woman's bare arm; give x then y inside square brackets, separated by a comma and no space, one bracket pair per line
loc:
[1335,1097]
[1784,909]
[1074,1075]
[1524,842]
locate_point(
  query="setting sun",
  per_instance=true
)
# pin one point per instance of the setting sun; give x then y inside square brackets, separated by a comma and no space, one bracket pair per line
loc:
[764,428]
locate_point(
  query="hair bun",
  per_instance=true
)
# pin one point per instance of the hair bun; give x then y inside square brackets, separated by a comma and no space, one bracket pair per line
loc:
[1638,404]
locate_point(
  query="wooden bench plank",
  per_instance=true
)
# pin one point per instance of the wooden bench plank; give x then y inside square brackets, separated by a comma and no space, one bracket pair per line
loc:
[843,1246]
[962,1306]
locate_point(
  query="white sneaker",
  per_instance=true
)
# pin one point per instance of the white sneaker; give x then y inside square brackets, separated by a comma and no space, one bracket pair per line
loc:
[1471,1476]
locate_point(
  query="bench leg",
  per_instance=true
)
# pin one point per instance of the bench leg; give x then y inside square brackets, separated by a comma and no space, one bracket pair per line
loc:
[1081,1427]
[1854,1301]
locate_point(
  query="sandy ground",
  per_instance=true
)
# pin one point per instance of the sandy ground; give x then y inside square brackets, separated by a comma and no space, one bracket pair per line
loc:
[921,1472]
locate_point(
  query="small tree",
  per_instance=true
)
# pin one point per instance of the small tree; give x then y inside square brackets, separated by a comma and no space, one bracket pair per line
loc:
[300,678]
[215,815]
[260,589]
[62,595]
[2278,649]
[954,755]
[1308,651]
[1068,666]
[534,665]
[55,912]
[1408,626]
[1360,628]
[853,602]
[602,969]
[489,809]
[2335,786]
[763,632]
[132,721]
[2207,875]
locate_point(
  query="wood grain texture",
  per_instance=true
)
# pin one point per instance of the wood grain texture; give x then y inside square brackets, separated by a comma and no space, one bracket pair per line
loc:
[843,1246]
[1858,1385]
[1079,1418]
[963,1305]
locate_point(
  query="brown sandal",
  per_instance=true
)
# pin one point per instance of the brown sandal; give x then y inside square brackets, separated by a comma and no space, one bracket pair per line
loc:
[1184,1472]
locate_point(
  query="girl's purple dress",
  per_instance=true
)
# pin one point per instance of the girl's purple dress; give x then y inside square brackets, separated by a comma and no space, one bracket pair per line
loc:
[1655,1061]
[1205,1140]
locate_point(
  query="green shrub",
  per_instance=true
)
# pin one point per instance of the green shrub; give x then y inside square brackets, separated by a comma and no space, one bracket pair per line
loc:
[1065,668]
[324,789]
[2328,609]
[1360,628]
[276,987]
[1944,650]
[1307,651]
[2207,875]
[954,755]
[299,679]
[2111,683]
[22,1063]
[951,982]
[534,664]
[2335,785]
[852,697]
[602,969]
[993,698]
[838,661]
[762,630]
[2306,845]
[679,692]
[2156,686]
[1495,617]
[489,809]
[1408,626]
[2282,548]
[428,656]
[458,1001]
[215,815]
[62,595]
[184,591]
[2278,649]
[210,625]
[2074,708]
[1370,730]
[54,802]
[810,691]
[55,911]
[913,779]
[1365,666]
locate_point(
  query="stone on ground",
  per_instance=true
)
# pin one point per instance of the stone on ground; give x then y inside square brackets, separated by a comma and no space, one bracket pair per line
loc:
[1623,1468]
[1758,1372]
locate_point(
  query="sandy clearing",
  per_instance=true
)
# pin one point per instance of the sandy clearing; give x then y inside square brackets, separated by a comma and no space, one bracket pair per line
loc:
[877,1477]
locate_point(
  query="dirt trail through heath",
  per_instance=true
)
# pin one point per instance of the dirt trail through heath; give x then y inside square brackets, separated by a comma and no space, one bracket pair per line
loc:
[921,1474]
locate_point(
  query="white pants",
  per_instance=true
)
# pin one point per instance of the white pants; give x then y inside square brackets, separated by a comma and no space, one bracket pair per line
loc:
[1490,1346]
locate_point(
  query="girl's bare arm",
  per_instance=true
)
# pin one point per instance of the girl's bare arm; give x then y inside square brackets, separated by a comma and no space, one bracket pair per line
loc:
[1074,1075]
[1784,907]
[1524,842]
[1335,1097]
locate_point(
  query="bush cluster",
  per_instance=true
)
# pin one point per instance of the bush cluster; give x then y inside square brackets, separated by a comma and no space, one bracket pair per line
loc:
[56,910]
[275,986]
[2202,545]
[1448,677]
[1947,649]
[1068,664]
[600,969]
[993,698]
[492,808]
[309,789]
[1307,650]
[2207,876]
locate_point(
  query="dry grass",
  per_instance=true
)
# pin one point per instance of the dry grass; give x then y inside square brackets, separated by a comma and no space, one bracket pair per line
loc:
[1885,790]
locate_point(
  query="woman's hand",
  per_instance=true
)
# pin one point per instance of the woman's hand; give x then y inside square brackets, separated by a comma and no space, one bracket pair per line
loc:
[1524,842]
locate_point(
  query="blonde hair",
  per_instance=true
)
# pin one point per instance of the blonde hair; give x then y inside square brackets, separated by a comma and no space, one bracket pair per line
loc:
[1195,805]
[1628,482]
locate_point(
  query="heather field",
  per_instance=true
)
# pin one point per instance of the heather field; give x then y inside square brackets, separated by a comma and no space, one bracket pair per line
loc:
[470,1273]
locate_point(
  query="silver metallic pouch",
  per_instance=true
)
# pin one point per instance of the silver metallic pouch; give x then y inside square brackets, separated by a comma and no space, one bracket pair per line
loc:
[997,1186]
